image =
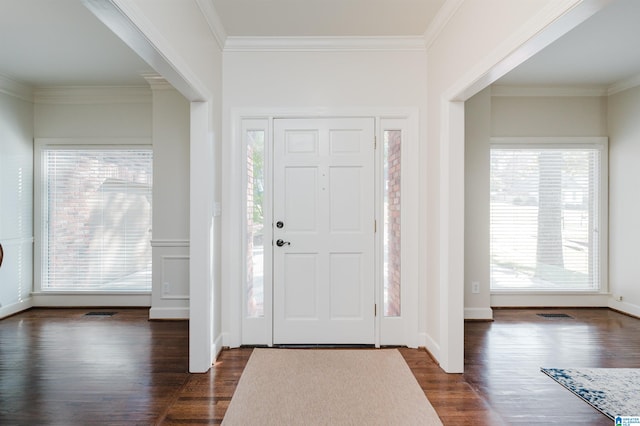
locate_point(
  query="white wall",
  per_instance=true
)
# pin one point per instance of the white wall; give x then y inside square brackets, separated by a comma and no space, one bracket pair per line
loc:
[321,81]
[476,217]
[548,116]
[624,203]
[489,116]
[71,117]
[170,294]
[16,202]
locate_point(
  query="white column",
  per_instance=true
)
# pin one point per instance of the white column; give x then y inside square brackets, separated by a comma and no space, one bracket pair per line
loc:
[201,354]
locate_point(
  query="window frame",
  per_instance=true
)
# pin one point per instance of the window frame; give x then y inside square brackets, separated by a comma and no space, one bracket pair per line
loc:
[41,144]
[602,145]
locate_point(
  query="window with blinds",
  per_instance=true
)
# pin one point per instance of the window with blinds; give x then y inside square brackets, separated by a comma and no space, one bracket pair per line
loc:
[544,214]
[96,218]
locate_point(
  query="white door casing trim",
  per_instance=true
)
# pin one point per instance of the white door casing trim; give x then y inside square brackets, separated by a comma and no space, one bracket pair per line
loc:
[402,330]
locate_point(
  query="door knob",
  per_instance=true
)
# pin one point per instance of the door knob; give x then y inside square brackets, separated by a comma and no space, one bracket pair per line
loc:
[281,243]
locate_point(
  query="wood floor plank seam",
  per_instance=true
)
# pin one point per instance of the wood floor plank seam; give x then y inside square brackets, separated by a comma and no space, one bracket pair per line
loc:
[58,367]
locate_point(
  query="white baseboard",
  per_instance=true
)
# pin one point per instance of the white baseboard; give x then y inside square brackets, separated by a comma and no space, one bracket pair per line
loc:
[427,342]
[563,300]
[478,313]
[625,307]
[169,313]
[216,348]
[55,300]
[14,308]
[226,341]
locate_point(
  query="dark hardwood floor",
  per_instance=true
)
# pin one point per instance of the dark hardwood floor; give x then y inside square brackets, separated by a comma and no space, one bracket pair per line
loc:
[61,367]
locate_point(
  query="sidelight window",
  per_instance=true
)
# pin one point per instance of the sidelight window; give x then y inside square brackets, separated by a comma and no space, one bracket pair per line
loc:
[255,185]
[392,191]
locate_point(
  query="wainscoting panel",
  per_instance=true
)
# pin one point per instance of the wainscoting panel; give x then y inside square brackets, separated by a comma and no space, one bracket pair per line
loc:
[16,276]
[170,282]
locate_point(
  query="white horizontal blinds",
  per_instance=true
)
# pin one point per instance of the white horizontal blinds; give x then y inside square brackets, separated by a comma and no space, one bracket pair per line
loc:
[97,219]
[544,216]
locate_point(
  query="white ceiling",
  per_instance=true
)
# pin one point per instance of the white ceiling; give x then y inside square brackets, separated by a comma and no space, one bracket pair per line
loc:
[60,43]
[601,51]
[281,18]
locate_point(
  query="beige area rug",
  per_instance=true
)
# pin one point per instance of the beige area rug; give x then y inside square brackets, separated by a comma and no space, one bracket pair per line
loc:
[328,387]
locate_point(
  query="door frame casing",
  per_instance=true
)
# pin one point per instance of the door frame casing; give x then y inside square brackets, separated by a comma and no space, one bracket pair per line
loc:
[239,330]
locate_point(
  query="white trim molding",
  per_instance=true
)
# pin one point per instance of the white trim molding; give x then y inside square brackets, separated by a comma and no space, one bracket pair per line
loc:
[169,243]
[157,82]
[547,91]
[575,299]
[625,307]
[622,85]
[323,44]
[217,346]
[89,299]
[478,314]
[214,21]
[167,295]
[14,308]
[427,342]
[82,95]
[439,22]
[169,313]
[14,88]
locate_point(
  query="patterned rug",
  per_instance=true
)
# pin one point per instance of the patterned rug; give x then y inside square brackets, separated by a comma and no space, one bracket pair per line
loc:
[613,391]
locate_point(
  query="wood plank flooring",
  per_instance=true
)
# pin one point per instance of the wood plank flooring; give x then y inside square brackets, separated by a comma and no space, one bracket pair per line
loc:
[60,367]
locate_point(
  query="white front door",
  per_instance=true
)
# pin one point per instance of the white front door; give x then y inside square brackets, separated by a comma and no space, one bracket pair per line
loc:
[323,235]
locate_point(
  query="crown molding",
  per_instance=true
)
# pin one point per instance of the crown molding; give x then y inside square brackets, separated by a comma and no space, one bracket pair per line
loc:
[547,91]
[622,85]
[323,44]
[11,87]
[214,21]
[157,82]
[82,95]
[440,21]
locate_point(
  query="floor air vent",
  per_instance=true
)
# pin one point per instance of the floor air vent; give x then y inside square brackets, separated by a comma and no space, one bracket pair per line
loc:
[100,314]
[554,315]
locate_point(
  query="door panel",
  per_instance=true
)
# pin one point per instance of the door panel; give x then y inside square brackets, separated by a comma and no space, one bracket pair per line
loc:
[301,199]
[324,264]
[300,286]
[346,212]
[346,282]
